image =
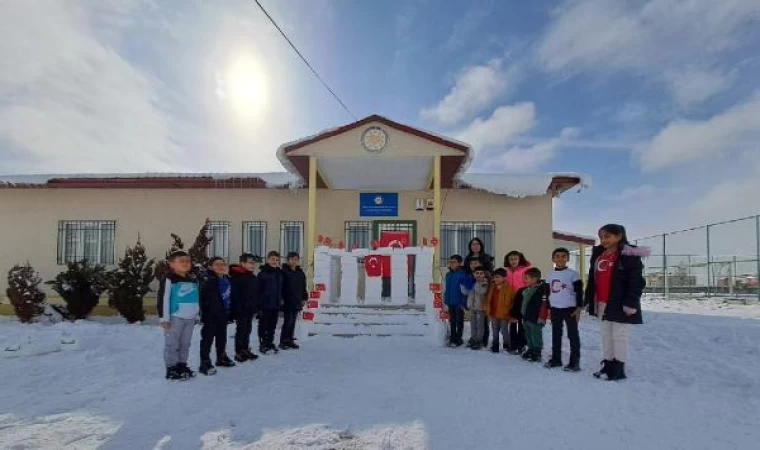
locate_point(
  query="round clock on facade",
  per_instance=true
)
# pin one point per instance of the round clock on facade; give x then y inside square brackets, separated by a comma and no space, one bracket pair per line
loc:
[374,139]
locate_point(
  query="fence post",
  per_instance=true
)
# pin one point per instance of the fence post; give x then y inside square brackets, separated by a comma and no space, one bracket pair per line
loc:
[664,266]
[709,275]
[757,253]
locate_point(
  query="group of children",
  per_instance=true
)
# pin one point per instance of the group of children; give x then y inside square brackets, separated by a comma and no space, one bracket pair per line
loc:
[516,302]
[223,295]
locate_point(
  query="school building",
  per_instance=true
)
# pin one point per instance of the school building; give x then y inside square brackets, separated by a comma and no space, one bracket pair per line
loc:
[350,184]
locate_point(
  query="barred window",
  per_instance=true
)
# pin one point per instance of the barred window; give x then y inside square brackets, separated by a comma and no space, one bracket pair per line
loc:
[291,238]
[358,234]
[220,242]
[456,236]
[255,238]
[91,240]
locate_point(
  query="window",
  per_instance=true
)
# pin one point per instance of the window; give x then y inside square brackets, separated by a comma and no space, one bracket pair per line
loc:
[255,238]
[220,242]
[291,238]
[456,236]
[91,240]
[358,235]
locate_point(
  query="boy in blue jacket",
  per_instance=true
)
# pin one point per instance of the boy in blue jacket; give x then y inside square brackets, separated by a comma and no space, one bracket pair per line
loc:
[455,300]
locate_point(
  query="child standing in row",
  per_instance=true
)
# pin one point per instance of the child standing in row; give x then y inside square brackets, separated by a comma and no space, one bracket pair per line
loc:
[294,296]
[516,265]
[177,303]
[476,303]
[216,307]
[498,308]
[566,301]
[455,299]
[270,301]
[531,305]
[245,287]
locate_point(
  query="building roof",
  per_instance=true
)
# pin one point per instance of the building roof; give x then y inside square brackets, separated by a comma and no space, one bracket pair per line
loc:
[453,171]
[573,237]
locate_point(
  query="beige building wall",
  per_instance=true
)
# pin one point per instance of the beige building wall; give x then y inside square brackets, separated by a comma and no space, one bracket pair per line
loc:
[29,218]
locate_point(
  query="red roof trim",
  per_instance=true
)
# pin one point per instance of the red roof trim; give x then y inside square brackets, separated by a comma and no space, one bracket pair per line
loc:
[577,239]
[147,183]
[376,118]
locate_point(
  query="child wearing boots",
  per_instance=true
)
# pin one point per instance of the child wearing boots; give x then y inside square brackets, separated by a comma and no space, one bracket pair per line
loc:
[516,265]
[613,294]
[177,303]
[216,306]
[455,299]
[566,302]
[245,287]
[270,301]
[531,303]
[498,307]
[294,296]
[476,303]
[471,263]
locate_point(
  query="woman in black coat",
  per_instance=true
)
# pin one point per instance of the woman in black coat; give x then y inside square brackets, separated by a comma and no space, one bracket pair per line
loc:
[477,251]
[613,293]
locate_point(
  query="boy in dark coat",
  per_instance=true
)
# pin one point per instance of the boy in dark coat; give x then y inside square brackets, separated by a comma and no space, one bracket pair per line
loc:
[216,306]
[245,290]
[270,301]
[532,305]
[294,296]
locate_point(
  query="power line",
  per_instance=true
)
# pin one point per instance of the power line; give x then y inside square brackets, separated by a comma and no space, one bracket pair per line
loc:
[316,74]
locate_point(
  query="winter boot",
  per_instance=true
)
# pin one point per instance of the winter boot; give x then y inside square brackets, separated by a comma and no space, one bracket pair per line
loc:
[241,357]
[527,354]
[224,361]
[172,373]
[535,357]
[605,369]
[553,363]
[250,355]
[185,371]
[207,368]
[495,348]
[616,371]
[572,367]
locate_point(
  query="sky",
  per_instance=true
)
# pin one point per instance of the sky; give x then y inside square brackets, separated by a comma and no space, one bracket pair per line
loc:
[657,101]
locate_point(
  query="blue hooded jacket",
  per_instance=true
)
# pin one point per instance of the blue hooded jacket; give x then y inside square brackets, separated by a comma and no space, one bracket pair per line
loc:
[452,295]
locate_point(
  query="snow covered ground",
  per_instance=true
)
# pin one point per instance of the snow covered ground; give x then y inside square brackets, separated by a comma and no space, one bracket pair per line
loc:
[715,306]
[694,384]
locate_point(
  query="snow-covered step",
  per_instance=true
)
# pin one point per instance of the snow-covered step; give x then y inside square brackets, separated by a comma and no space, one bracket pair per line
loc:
[348,321]
[381,330]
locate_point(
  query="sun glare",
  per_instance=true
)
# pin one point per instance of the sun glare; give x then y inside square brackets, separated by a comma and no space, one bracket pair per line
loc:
[245,87]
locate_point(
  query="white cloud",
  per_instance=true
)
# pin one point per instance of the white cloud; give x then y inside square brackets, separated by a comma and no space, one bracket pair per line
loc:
[475,89]
[524,159]
[77,104]
[658,38]
[694,87]
[685,141]
[505,123]
[637,192]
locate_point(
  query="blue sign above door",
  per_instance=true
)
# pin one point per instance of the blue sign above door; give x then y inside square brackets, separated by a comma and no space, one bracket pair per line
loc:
[378,204]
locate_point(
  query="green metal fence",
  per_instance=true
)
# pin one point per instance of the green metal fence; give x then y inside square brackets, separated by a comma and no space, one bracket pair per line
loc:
[717,260]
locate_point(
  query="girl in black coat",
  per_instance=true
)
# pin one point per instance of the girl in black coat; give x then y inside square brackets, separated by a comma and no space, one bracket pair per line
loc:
[613,293]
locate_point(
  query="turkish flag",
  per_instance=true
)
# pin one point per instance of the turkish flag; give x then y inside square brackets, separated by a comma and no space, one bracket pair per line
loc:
[373,265]
[394,239]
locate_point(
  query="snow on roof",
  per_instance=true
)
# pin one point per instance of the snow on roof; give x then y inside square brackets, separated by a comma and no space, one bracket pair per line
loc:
[574,237]
[272,179]
[518,186]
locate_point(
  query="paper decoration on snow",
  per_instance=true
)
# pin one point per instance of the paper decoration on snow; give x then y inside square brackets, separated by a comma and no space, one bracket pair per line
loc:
[373,266]
[437,296]
[435,287]
[320,239]
[443,315]
[434,242]
[328,241]
[320,287]
[341,245]
[375,244]
[394,239]
[308,316]
[315,295]
[312,304]
[438,303]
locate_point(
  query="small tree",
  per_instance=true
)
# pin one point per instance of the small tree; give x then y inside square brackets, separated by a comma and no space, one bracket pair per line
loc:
[24,292]
[199,250]
[130,282]
[80,286]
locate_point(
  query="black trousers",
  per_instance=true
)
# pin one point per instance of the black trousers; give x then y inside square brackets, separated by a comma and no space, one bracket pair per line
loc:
[486,330]
[267,326]
[456,320]
[516,336]
[560,317]
[288,325]
[244,326]
[213,331]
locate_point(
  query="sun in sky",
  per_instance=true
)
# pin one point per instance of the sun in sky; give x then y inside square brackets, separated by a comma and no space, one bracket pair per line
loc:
[243,86]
